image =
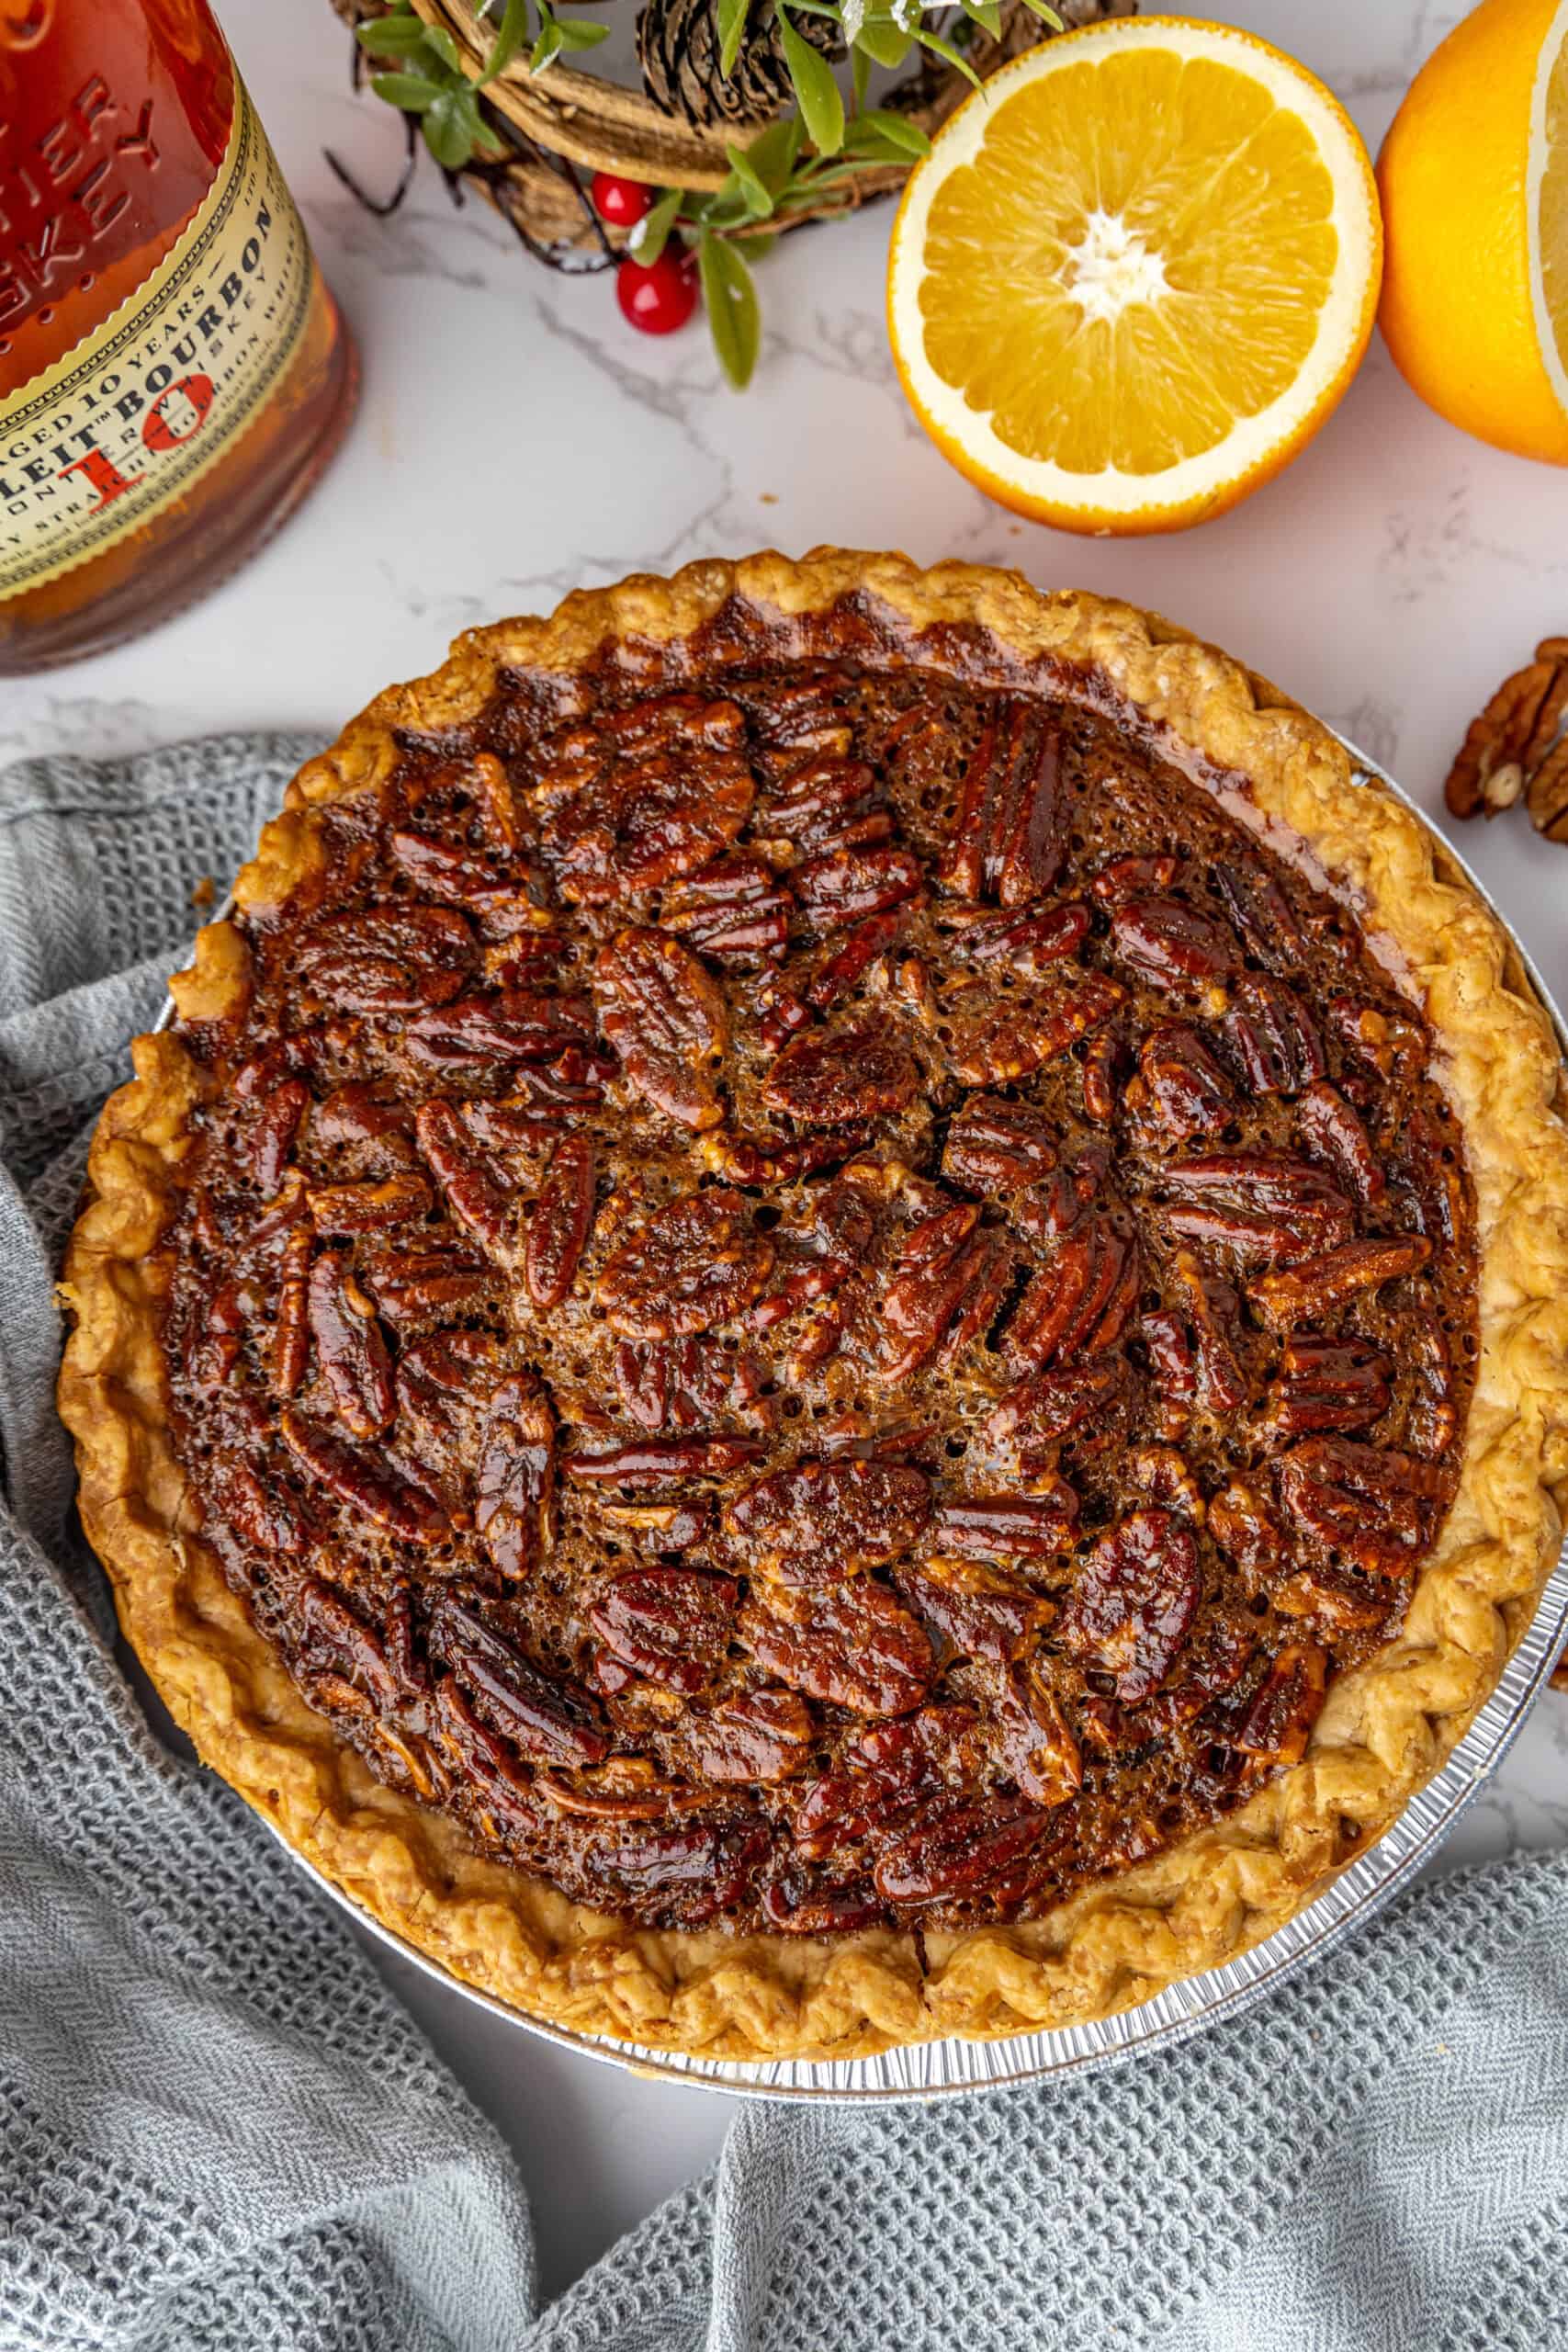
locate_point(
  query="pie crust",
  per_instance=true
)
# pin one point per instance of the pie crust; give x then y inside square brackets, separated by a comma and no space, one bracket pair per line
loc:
[1388,1724]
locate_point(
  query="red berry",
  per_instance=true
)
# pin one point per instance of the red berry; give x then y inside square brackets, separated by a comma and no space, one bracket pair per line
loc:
[621,202]
[660,299]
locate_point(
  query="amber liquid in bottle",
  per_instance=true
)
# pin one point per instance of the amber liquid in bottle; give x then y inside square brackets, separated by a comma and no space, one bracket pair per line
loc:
[173,373]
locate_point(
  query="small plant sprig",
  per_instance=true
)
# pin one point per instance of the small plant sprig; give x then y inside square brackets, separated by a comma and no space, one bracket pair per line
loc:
[876,32]
[768,179]
[429,81]
[786,169]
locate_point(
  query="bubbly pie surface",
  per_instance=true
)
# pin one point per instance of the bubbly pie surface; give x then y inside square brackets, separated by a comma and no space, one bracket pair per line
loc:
[810,1270]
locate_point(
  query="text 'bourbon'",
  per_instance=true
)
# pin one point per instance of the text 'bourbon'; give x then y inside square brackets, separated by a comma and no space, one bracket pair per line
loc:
[173,373]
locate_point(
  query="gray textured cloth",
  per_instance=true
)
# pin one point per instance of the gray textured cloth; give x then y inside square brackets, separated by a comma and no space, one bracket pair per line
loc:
[217,2131]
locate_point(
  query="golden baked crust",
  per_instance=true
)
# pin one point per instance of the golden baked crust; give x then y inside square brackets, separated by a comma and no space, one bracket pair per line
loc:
[1388,1724]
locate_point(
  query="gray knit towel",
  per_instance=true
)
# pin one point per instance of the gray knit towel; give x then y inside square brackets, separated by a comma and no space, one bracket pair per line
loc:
[217,2132]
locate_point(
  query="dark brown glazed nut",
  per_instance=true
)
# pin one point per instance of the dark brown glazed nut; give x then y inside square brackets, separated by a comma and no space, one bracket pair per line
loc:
[666,1019]
[1011,833]
[693,1265]
[838,1077]
[1171,946]
[1133,1603]
[392,959]
[824,1520]
[670,1624]
[812,1294]
[850,1645]
[655,793]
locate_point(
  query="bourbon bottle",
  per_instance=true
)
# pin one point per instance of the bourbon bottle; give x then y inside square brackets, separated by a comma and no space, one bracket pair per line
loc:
[173,373]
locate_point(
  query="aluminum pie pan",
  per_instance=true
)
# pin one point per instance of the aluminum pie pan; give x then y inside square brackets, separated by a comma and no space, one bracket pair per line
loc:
[947,2068]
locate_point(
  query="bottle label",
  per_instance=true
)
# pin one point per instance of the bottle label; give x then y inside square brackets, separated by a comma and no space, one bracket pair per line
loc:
[133,415]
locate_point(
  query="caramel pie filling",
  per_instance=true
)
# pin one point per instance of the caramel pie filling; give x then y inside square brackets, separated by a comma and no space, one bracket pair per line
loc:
[815,1292]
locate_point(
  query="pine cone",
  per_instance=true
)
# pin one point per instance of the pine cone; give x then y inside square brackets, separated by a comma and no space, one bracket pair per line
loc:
[677,46]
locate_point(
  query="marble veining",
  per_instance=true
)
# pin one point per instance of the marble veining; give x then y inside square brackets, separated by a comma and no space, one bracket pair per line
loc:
[517,440]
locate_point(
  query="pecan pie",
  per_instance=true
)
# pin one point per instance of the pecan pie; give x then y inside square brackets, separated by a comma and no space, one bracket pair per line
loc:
[842,1311]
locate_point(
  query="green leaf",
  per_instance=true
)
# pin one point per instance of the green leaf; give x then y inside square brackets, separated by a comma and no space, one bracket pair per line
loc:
[881,131]
[986,14]
[508,41]
[756,248]
[577,32]
[648,240]
[731,30]
[445,48]
[772,153]
[391,36]
[940,48]
[413,91]
[1046,14]
[754,190]
[734,320]
[885,42]
[451,128]
[860,74]
[821,107]
[548,46]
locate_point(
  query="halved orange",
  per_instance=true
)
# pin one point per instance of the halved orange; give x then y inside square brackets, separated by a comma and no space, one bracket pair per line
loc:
[1134,273]
[1474,180]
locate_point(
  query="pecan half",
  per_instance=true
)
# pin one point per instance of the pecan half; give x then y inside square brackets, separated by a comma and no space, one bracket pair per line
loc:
[846,885]
[963,1846]
[510,1024]
[550,1719]
[670,1624]
[347,1209]
[759,1736]
[665,1017]
[1272,1037]
[515,1484]
[1011,833]
[685,1384]
[694,1264]
[1008,1527]
[1017,1035]
[1139,876]
[1171,946]
[1328,1127]
[1214,1311]
[1255,1205]
[363,1481]
[1181,1082]
[1035,1744]
[995,1147]
[349,1347]
[823,801]
[850,1645]
[978,1609]
[560,1223]
[735,909]
[389,959]
[1326,1384]
[1364,1504]
[828,1519]
[844,970]
[662,1461]
[476,1201]
[948,1281]
[1079,1301]
[1302,1293]
[1276,1725]
[1049,1404]
[837,1078]
[1133,1605]
[1263,914]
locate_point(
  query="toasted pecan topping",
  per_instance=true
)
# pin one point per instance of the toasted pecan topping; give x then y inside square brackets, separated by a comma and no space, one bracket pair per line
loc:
[817,1296]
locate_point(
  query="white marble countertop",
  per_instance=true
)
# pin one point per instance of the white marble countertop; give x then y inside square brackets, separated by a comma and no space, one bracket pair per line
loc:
[517,440]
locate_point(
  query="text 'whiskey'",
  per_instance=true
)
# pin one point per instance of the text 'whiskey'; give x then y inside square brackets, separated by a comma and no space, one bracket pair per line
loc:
[173,373]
